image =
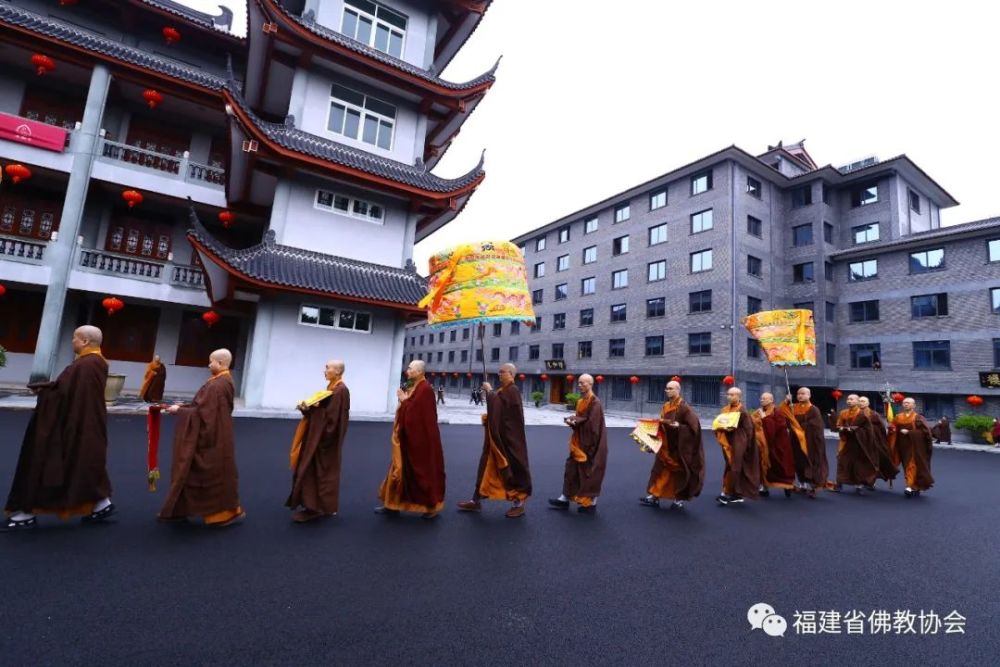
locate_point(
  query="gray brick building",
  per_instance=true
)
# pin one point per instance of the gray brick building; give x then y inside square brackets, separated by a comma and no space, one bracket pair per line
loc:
[654,281]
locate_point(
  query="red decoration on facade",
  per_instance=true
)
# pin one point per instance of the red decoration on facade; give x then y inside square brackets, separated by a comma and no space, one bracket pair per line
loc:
[570,378]
[171,34]
[112,304]
[3,290]
[43,64]
[729,380]
[454,375]
[975,401]
[67,3]
[522,376]
[152,97]
[676,378]
[836,393]
[133,197]
[210,317]
[17,172]
[898,397]
[226,218]
[634,380]
[468,375]
[599,379]
[544,377]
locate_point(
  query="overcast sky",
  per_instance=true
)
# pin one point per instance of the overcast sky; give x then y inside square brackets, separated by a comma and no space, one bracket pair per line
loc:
[593,97]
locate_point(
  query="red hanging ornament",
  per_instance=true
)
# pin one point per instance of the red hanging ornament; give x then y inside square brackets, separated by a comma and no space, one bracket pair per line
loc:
[468,375]
[570,378]
[898,397]
[112,304]
[454,375]
[544,376]
[729,380]
[226,218]
[974,401]
[152,97]
[210,317]
[67,3]
[133,197]
[521,376]
[836,393]
[171,34]
[3,290]
[43,64]
[676,378]
[599,379]
[17,172]
[634,380]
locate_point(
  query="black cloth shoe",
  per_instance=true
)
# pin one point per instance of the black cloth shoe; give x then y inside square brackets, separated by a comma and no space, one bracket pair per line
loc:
[381,509]
[559,504]
[765,492]
[649,502]
[788,493]
[100,515]
[735,499]
[11,526]
[722,499]
[592,509]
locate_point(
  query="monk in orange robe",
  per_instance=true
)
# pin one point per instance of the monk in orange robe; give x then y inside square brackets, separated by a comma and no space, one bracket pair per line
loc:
[588,452]
[153,381]
[911,438]
[317,447]
[679,467]
[857,461]
[887,468]
[808,435]
[741,477]
[415,481]
[503,467]
[203,477]
[62,465]
[777,465]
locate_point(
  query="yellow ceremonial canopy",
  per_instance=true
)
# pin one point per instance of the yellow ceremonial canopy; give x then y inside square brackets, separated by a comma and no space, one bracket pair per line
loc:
[788,337]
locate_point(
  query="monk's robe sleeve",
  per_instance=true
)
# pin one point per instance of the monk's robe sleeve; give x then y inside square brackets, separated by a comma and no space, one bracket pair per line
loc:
[689,433]
[335,416]
[591,425]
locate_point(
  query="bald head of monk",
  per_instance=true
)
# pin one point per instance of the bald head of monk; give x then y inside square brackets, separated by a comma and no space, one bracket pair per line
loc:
[87,336]
[586,384]
[673,390]
[766,399]
[507,372]
[909,405]
[803,395]
[852,401]
[334,370]
[220,361]
[415,371]
[734,396]
[863,402]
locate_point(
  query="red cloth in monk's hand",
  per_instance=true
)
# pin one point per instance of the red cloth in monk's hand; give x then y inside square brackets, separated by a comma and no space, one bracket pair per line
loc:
[420,447]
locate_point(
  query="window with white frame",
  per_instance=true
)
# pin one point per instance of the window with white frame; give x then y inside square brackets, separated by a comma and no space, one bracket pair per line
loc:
[336,318]
[619,279]
[562,263]
[657,199]
[564,234]
[590,255]
[701,221]
[656,271]
[865,233]
[658,234]
[622,212]
[864,270]
[375,25]
[701,261]
[590,226]
[356,208]
[358,116]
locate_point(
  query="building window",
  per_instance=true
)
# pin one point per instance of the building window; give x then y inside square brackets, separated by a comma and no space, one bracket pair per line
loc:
[863,195]
[865,233]
[828,270]
[865,355]
[932,355]
[658,234]
[564,234]
[996,353]
[657,199]
[451,336]
[616,347]
[995,298]
[805,305]
[534,352]
[619,246]
[803,273]
[310,322]
[863,311]
[700,302]
[587,317]
[497,329]
[656,271]
[495,354]
[654,346]
[619,312]
[656,307]
[590,255]
[927,260]
[700,343]
[701,261]
[831,312]
[465,356]
[557,350]
[828,233]
[701,182]
[540,244]
[536,296]
[753,348]
[802,196]
[360,117]
[558,321]
[755,227]
[802,235]
[914,200]
[479,355]
[562,263]
[375,25]
[338,318]
[701,221]
[515,328]
[512,353]
[929,305]
[355,208]
[705,392]
[621,389]
[827,195]
[993,250]
[562,291]
[755,266]
[831,354]
[195,343]
[754,305]
[619,279]
[441,337]
[465,331]
[540,270]
[622,213]
[588,285]
[451,356]
[864,270]
[753,187]
[584,349]
[590,226]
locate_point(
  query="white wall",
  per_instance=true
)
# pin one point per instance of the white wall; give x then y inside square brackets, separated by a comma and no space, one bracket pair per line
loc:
[17,370]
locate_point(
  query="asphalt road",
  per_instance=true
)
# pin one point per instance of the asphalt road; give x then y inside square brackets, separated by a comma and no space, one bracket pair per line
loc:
[630,585]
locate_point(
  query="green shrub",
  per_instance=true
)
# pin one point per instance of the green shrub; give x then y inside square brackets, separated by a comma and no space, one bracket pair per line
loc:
[537,396]
[572,398]
[3,357]
[974,423]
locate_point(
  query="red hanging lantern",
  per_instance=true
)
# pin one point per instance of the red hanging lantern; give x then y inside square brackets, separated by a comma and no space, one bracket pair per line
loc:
[454,375]
[634,380]
[570,378]
[67,3]
[974,401]
[522,376]
[3,290]
[676,378]
[17,172]
[43,64]
[545,377]
[729,380]
[112,304]
[226,218]
[171,34]
[599,379]
[836,393]
[898,397]
[210,317]
[133,197]
[152,97]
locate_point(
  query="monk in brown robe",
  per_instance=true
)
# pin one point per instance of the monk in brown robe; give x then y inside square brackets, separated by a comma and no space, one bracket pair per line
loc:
[741,476]
[942,431]
[317,447]
[62,465]
[203,477]
[911,437]
[415,481]
[588,452]
[887,468]
[807,434]
[857,462]
[153,381]
[503,467]
[679,467]
[777,465]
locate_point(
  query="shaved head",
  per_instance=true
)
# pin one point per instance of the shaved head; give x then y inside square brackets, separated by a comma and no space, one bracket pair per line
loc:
[586,383]
[803,394]
[673,384]
[333,370]
[223,356]
[337,365]
[415,371]
[90,333]
[511,368]
[863,401]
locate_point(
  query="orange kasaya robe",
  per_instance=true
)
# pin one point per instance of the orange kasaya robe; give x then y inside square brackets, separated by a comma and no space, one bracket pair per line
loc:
[588,453]
[857,459]
[678,469]
[153,382]
[739,448]
[504,473]
[808,432]
[914,449]
[415,481]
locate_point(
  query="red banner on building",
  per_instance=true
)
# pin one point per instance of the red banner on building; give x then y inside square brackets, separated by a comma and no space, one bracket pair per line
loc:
[32,133]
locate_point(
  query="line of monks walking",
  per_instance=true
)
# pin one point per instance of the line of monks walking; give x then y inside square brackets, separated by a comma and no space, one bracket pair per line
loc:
[62,469]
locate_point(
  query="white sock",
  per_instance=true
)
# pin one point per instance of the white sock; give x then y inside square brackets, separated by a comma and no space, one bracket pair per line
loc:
[21,516]
[517,503]
[593,501]
[101,504]
[563,498]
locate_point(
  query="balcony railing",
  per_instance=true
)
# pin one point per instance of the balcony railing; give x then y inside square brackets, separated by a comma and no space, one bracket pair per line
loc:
[175,166]
[126,266]
[206,173]
[21,250]
[187,276]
